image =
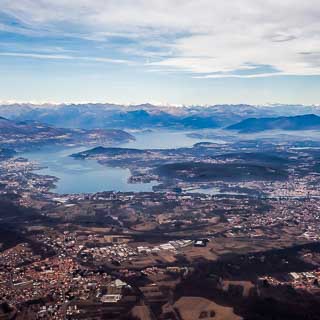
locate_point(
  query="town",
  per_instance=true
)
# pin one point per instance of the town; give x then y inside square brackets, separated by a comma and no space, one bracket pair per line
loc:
[115,254]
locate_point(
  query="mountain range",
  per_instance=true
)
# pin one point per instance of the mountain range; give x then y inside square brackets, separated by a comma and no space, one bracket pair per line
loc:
[92,116]
[303,122]
[21,134]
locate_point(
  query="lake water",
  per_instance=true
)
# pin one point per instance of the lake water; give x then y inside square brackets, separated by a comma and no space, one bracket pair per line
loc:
[161,139]
[88,176]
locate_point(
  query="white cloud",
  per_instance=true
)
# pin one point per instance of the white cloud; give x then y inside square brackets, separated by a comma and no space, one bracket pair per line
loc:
[211,38]
[61,57]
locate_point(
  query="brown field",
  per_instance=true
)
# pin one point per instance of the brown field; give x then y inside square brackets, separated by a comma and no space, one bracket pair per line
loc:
[141,313]
[193,253]
[146,226]
[193,308]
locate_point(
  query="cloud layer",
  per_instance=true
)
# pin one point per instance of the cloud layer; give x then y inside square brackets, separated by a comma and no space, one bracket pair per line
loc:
[207,38]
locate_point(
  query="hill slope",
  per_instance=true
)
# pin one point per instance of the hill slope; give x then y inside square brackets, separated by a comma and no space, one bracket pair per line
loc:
[304,122]
[14,134]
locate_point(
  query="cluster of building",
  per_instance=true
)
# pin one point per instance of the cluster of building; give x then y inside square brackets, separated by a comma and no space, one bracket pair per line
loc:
[52,285]
[173,246]
[307,281]
[115,252]
[18,176]
[15,256]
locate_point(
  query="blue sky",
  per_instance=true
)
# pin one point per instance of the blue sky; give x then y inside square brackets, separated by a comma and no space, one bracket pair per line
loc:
[168,51]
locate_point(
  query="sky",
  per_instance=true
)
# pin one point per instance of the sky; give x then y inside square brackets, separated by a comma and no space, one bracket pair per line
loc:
[160,51]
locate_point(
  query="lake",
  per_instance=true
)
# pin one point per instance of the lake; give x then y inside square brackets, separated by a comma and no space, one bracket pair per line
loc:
[88,176]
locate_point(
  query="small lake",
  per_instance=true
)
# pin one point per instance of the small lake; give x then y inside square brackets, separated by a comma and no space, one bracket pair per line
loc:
[88,176]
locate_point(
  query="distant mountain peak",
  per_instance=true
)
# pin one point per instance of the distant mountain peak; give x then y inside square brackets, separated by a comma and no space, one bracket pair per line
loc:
[147,115]
[300,122]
